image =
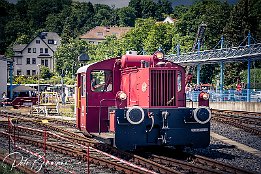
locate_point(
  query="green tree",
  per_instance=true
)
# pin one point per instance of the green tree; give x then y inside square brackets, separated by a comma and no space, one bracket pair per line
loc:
[244,17]
[126,16]
[45,73]
[164,8]
[38,15]
[103,15]
[159,36]
[67,54]
[144,8]
[134,39]
[5,9]
[136,5]
[214,14]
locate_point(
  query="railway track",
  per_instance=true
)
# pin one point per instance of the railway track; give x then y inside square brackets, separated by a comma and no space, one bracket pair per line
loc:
[248,121]
[30,132]
[135,164]
[197,164]
[184,162]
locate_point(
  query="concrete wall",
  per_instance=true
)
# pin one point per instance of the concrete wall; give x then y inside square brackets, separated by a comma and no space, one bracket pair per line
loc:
[237,106]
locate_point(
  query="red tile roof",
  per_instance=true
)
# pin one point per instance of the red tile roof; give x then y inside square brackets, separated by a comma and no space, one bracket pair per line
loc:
[99,32]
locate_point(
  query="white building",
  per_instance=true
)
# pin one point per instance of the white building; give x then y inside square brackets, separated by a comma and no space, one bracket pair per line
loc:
[169,19]
[3,75]
[39,51]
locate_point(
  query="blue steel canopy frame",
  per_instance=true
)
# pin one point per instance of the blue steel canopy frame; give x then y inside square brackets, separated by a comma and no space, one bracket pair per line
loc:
[249,52]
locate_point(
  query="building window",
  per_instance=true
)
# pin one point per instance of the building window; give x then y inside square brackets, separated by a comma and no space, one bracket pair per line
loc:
[41,50]
[34,50]
[99,33]
[46,50]
[28,72]
[27,60]
[38,41]
[33,72]
[29,50]
[46,63]
[50,41]
[42,62]
[19,72]
[91,42]
[33,60]
[19,61]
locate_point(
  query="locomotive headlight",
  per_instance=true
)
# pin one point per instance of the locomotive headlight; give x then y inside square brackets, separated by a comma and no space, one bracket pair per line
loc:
[121,95]
[159,55]
[205,96]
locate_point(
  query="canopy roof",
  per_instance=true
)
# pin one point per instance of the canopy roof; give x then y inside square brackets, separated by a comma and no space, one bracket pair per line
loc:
[22,88]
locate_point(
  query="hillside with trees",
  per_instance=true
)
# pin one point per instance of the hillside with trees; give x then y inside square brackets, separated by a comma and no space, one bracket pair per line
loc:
[23,21]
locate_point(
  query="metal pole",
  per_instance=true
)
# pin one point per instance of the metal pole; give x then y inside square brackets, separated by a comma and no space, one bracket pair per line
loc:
[11,79]
[45,139]
[14,145]
[221,79]
[221,71]
[88,159]
[178,50]
[248,79]
[198,74]
[38,88]
[222,42]
[198,66]
[9,132]
[248,69]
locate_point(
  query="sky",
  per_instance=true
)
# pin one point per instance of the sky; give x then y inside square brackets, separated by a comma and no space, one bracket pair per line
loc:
[124,3]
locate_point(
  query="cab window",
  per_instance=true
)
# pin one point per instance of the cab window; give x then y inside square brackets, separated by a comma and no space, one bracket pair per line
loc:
[101,81]
[179,81]
[83,85]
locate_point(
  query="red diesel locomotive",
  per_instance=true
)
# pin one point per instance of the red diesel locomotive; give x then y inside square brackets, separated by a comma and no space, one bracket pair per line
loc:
[139,100]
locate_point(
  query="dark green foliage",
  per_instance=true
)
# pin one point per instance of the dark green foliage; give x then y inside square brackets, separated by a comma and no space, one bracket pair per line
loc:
[244,17]
[126,16]
[150,8]
[45,73]
[5,13]
[213,13]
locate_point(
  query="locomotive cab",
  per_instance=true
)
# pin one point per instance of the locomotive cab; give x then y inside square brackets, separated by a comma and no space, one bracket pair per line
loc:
[139,100]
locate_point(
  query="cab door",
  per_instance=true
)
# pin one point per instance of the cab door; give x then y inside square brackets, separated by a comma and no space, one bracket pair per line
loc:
[101,95]
[81,101]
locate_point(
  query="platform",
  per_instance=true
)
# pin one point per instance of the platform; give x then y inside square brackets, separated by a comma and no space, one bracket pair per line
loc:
[238,145]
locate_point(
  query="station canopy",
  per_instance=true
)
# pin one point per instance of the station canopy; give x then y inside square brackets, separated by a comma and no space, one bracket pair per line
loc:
[22,88]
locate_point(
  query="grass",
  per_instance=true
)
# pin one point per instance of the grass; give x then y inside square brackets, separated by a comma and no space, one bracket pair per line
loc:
[67,110]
